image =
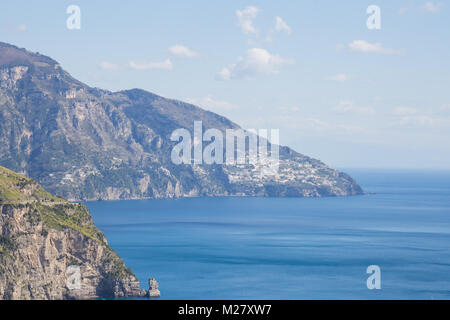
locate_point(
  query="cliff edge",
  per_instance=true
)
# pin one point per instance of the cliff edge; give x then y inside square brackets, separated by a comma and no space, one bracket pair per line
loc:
[50,249]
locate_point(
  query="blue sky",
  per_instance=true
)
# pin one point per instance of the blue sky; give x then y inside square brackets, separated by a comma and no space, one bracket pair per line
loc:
[350,96]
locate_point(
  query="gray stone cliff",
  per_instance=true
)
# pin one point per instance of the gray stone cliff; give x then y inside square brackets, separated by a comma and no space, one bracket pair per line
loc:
[43,239]
[84,143]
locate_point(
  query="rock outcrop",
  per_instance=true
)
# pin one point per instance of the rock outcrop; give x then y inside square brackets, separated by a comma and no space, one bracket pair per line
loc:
[153,288]
[85,143]
[50,249]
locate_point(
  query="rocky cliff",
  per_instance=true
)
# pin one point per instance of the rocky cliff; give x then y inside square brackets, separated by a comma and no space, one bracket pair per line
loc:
[50,249]
[85,143]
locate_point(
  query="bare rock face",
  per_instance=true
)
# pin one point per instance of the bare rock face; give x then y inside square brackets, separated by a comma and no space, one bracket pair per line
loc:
[50,249]
[153,288]
[85,143]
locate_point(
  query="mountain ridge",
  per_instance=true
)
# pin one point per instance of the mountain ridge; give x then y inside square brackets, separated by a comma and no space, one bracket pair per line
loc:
[86,143]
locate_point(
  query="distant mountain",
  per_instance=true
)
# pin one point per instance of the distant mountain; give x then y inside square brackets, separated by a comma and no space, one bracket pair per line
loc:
[42,237]
[85,143]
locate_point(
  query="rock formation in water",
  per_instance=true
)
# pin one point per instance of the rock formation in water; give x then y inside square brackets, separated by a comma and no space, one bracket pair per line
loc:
[50,249]
[153,288]
[85,143]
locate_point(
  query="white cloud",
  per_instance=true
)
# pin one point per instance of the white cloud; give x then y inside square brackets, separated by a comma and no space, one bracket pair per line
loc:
[417,121]
[404,111]
[349,128]
[256,61]
[281,25]
[144,65]
[299,122]
[17,28]
[445,108]
[319,126]
[347,106]
[292,109]
[212,104]
[310,123]
[341,77]
[427,7]
[403,10]
[367,47]
[431,7]
[21,28]
[166,64]
[224,74]
[245,19]
[406,117]
[105,65]
[182,51]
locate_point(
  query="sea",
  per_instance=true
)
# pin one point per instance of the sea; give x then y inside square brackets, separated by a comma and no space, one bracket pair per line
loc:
[391,243]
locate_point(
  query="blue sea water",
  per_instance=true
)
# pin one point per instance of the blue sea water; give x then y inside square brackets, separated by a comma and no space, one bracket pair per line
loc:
[291,248]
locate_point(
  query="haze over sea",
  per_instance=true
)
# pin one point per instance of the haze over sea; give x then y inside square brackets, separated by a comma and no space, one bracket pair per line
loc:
[292,248]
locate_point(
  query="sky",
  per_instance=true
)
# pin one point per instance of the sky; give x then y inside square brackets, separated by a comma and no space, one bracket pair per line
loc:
[337,90]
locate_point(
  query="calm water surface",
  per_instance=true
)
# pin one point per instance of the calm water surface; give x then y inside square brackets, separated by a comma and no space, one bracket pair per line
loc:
[286,248]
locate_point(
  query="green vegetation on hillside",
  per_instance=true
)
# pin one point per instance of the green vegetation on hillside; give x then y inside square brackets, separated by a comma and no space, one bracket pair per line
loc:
[72,216]
[55,213]
[6,245]
[15,187]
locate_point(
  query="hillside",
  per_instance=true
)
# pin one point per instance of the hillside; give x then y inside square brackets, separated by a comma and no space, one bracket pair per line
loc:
[41,236]
[84,143]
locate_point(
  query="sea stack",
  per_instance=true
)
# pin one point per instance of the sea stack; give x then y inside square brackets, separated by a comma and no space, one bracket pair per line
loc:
[153,291]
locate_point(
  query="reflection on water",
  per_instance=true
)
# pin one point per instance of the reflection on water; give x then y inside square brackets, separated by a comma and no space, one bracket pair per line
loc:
[285,248]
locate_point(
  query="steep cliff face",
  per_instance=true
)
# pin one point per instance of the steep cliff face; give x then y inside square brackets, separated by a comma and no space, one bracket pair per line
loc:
[50,249]
[84,143]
